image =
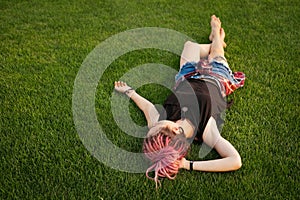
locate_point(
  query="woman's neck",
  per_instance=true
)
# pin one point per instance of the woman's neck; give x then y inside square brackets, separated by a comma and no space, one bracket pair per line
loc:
[187,127]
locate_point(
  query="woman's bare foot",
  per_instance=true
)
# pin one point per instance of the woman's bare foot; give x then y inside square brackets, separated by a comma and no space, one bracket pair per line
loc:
[216,24]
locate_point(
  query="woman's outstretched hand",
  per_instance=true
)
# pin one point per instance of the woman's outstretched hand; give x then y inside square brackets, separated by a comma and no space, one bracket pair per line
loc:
[121,86]
[182,163]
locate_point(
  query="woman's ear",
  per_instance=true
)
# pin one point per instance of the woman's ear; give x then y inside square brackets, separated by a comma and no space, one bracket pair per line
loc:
[176,130]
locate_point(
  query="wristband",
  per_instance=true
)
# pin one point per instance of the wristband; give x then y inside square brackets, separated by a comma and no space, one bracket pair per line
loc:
[128,91]
[191,165]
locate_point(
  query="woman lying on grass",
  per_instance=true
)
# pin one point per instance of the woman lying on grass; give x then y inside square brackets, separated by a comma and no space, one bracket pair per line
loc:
[192,111]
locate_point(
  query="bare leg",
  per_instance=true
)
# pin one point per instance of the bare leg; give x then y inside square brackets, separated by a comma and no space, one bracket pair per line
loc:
[214,18]
[218,35]
[192,52]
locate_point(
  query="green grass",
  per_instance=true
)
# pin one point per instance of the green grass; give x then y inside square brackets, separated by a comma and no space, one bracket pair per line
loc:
[43,44]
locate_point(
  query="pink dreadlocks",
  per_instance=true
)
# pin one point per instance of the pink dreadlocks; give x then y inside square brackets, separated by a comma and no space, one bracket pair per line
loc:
[165,150]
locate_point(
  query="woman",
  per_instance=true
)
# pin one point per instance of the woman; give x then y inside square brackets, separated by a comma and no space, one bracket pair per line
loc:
[192,111]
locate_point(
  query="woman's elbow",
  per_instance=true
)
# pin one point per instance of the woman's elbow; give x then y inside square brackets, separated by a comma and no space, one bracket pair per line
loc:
[237,162]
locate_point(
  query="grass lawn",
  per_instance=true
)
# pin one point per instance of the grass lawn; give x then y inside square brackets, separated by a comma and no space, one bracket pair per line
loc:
[42,47]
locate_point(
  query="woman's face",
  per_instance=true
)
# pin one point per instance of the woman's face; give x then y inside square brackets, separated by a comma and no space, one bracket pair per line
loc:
[175,128]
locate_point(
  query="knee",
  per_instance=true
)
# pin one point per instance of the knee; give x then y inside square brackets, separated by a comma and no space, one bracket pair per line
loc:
[189,44]
[237,162]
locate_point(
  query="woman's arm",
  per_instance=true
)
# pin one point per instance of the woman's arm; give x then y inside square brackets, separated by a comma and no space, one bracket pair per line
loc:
[146,106]
[230,160]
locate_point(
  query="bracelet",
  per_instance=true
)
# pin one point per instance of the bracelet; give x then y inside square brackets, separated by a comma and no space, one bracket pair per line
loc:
[191,165]
[127,91]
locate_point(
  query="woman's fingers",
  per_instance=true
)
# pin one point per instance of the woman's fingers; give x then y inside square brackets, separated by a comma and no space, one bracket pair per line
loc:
[120,84]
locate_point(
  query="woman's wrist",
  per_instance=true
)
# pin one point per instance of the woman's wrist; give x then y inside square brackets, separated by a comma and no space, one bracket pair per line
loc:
[129,92]
[186,165]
